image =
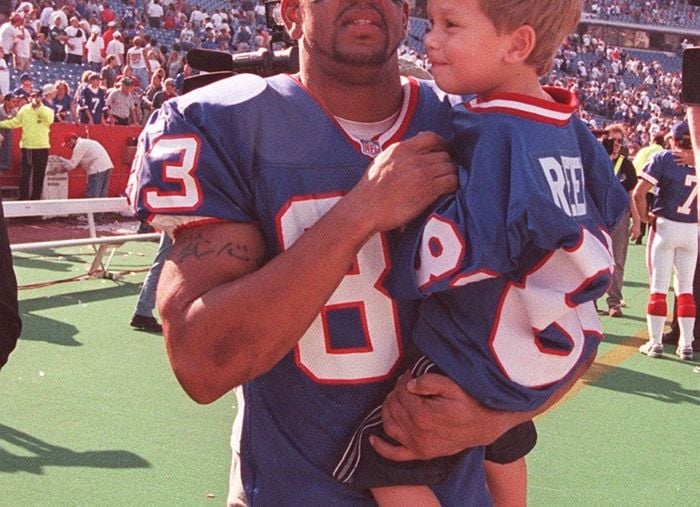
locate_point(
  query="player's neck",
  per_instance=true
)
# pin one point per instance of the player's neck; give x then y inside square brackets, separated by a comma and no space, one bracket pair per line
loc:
[364,98]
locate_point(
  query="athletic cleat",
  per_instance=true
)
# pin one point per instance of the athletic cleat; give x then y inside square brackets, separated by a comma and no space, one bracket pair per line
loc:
[652,349]
[685,352]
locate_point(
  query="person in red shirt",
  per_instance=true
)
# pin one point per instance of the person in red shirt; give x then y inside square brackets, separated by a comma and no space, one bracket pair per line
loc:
[107,14]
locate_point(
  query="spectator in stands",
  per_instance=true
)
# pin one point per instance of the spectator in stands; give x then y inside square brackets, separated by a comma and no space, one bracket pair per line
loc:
[248,8]
[41,49]
[23,48]
[136,59]
[10,321]
[45,17]
[168,92]
[93,157]
[108,34]
[35,119]
[108,73]
[92,100]
[170,18]
[187,37]
[48,94]
[128,72]
[94,46]
[121,103]
[57,41]
[107,14]
[196,18]
[155,13]
[4,73]
[64,106]
[75,44]
[61,13]
[130,14]
[173,65]
[116,48]
[7,110]
[155,86]
[243,37]
[26,86]
[209,41]
[181,76]
[8,31]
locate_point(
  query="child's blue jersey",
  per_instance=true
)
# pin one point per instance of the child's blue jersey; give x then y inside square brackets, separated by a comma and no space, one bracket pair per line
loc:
[676,196]
[514,261]
[265,151]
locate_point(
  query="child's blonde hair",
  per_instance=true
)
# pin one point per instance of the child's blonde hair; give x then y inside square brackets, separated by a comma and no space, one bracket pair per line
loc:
[552,21]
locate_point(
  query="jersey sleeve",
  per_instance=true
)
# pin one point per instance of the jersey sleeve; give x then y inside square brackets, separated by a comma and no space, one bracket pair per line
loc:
[184,167]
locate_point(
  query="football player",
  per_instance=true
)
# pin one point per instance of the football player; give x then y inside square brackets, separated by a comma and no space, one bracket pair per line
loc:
[673,241]
[278,192]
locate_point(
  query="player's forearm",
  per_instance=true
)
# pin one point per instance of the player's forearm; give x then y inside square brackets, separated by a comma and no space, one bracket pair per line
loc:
[694,124]
[240,328]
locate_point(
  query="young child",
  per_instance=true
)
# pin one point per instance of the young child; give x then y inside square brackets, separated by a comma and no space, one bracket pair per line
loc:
[513,262]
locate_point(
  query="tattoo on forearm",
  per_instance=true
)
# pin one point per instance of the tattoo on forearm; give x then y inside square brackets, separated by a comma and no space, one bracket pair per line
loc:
[201,248]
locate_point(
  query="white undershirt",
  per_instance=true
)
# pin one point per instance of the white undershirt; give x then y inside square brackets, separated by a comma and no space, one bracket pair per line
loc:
[367,131]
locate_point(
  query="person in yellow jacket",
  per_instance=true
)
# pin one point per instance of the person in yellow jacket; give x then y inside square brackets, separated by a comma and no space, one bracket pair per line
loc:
[35,119]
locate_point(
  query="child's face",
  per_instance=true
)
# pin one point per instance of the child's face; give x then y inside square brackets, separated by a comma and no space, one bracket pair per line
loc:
[463,47]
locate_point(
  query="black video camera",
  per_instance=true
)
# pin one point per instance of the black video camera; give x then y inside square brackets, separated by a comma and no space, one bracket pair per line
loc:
[263,62]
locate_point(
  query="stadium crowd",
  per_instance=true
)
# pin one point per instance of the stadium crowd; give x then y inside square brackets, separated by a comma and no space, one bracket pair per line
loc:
[657,12]
[98,46]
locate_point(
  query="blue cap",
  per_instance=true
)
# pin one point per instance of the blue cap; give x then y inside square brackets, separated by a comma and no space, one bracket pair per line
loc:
[25,77]
[680,130]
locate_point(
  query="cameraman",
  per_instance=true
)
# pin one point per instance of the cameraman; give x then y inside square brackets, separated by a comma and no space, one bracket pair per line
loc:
[613,139]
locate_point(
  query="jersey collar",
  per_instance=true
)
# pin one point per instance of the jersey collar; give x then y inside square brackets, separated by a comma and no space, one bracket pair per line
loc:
[373,147]
[557,113]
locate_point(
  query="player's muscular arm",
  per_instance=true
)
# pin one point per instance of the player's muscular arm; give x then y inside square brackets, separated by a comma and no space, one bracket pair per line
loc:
[227,320]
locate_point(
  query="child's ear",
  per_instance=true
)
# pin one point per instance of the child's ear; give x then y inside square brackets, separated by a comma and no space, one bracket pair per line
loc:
[523,41]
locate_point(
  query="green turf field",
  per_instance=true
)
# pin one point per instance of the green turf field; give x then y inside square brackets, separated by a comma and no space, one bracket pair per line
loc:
[90,413]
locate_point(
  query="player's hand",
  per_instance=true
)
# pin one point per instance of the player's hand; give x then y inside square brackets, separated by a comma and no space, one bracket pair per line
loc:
[404,180]
[683,156]
[432,416]
[635,231]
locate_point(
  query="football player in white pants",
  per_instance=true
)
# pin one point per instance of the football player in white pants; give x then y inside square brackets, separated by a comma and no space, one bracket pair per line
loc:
[673,242]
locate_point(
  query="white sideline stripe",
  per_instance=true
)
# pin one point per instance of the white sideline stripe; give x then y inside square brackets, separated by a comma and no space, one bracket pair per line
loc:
[85,241]
[65,207]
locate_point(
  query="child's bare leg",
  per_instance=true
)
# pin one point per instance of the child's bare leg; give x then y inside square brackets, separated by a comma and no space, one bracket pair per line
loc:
[401,496]
[507,483]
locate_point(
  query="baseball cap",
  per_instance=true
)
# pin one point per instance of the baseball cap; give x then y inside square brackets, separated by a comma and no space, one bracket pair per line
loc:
[111,23]
[26,77]
[126,81]
[69,136]
[94,75]
[117,34]
[48,88]
[35,92]
[680,130]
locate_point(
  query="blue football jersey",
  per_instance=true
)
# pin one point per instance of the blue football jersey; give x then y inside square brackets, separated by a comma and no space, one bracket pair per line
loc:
[676,185]
[266,151]
[513,261]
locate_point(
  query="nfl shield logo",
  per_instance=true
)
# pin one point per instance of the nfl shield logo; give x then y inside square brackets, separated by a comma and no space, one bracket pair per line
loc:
[371,148]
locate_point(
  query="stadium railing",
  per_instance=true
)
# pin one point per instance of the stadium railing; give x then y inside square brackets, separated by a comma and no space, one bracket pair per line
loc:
[89,207]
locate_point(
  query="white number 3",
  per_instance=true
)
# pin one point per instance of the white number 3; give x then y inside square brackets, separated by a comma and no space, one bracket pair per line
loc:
[180,171]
